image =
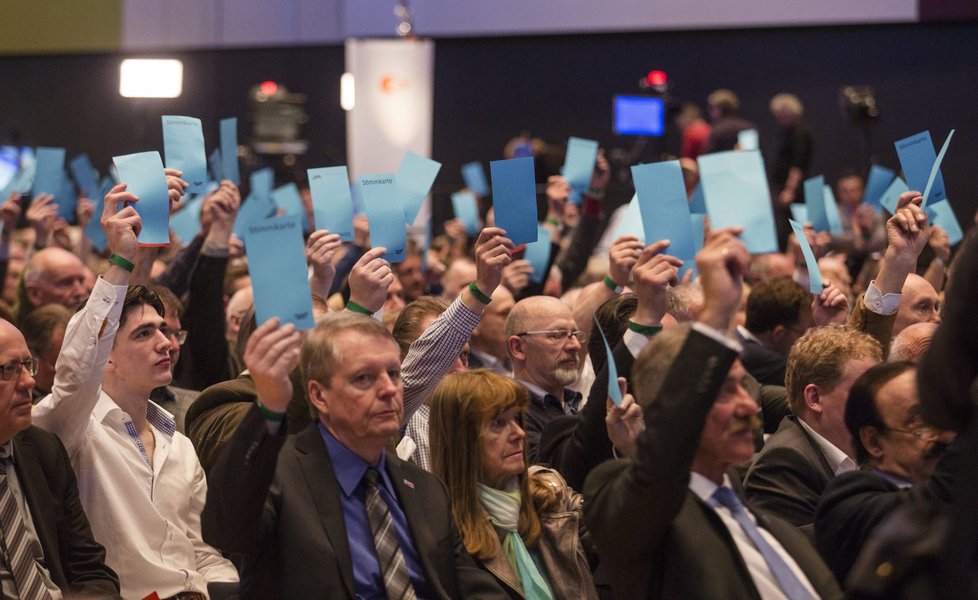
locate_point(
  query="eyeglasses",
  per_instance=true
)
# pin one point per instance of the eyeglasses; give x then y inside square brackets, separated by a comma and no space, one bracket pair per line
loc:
[558,335]
[180,336]
[925,434]
[11,371]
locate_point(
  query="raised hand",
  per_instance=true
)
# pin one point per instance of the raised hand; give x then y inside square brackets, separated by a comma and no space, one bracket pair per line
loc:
[624,423]
[370,278]
[622,256]
[654,272]
[830,306]
[319,253]
[270,355]
[121,225]
[41,215]
[493,253]
[175,187]
[722,263]
[516,275]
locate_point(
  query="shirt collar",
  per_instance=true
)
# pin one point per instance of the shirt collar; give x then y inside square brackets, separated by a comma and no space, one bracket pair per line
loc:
[7,450]
[347,466]
[748,336]
[896,480]
[538,393]
[837,459]
[157,417]
[704,487]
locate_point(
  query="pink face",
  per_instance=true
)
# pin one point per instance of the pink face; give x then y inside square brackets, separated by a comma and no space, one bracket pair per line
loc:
[727,436]
[502,440]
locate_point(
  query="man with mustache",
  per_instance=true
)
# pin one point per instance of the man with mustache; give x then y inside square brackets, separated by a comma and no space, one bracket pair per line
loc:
[545,347]
[899,454]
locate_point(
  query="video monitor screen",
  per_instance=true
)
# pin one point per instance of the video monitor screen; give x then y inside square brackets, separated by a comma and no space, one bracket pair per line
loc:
[639,115]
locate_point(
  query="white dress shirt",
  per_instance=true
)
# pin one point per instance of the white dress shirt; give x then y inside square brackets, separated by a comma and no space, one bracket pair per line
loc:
[146,516]
[837,459]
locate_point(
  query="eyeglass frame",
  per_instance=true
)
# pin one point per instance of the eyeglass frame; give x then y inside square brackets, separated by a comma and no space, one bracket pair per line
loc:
[567,334]
[918,433]
[28,363]
[180,335]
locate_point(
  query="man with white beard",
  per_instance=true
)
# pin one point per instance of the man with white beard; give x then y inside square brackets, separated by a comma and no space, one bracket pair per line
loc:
[545,348]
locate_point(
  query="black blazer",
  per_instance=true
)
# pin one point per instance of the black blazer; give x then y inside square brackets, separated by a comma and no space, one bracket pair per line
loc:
[657,537]
[74,559]
[275,501]
[767,366]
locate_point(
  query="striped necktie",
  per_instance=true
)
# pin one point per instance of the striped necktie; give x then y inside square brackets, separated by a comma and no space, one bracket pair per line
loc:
[19,544]
[397,580]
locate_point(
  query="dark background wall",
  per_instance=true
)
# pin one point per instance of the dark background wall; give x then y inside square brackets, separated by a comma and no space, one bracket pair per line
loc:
[489,89]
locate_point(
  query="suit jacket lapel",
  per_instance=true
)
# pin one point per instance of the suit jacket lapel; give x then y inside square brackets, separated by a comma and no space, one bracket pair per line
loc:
[826,467]
[29,477]
[721,528]
[317,470]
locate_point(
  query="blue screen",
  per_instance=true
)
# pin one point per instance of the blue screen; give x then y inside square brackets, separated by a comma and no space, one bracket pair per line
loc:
[639,115]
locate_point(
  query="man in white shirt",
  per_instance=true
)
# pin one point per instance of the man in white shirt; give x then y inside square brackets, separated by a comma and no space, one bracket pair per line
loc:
[139,480]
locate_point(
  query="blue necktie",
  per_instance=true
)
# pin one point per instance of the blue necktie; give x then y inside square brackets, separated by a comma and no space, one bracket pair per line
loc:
[790,584]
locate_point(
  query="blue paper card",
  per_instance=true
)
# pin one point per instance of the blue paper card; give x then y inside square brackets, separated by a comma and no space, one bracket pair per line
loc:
[183,147]
[614,391]
[384,214]
[514,198]
[878,180]
[262,181]
[814,275]
[935,172]
[799,212]
[143,174]
[332,204]
[942,215]
[214,164]
[85,175]
[631,221]
[735,186]
[94,231]
[665,210]
[917,157]
[279,277]
[466,208]
[253,209]
[49,169]
[229,150]
[892,195]
[475,178]
[287,198]
[538,253]
[748,139]
[815,203]
[697,202]
[186,222]
[67,199]
[414,179]
[832,211]
[579,166]
[697,222]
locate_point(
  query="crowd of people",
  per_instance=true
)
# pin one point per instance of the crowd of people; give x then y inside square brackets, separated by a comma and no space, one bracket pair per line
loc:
[448,429]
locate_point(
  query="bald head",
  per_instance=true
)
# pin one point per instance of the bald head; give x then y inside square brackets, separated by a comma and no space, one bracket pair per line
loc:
[457,276]
[919,303]
[55,276]
[911,343]
[536,313]
[541,345]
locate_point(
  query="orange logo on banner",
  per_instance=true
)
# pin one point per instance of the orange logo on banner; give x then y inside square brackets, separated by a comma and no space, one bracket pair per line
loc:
[392,85]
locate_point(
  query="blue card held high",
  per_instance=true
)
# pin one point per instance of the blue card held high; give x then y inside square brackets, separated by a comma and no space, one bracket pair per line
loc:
[815,203]
[814,275]
[748,139]
[832,211]
[277,265]
[579,166]
[697,203]
[50,164]
[85,176]
[214,164]
[94,231]
[665,210]
[384,214]
[698,222]
[799,212]
[475,178]
[67,199]
[514,198]
[143,174]
[332,204]
[892,195]
[538,253]
[735,187]
[917,157]
[466,208]
[631,222]
[229,150]
[186,222]
[253,209]
[935,172]
[183,147]
[942,215]
[878,180]
[414,179]
[287,199]
[614,391]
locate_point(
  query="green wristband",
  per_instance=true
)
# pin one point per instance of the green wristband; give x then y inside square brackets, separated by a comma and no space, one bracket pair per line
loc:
[121,262]
[644,329]
[614,287]
[269,414]
[351,305]
[478,294]
[552,221]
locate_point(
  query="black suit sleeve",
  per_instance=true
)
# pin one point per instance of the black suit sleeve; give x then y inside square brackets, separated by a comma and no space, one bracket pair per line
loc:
[205,356]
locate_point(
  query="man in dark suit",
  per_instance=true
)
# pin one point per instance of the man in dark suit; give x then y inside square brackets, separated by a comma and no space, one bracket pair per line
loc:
[373,526]
[35,474]
[667,522]
[778,313]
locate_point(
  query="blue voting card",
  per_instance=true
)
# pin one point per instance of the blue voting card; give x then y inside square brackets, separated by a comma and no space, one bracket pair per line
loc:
[942,215]
[799,212]
[748,139]
[253,209]
[815,203]
[186,222]
[892,195]
[697,222]
[697,203]
[878,180]
[832,211]
[514,198]
[614,392]
[288,199]
[735,187]
[332,204]
[631,221]
[538,253]
[21,182]
[579,166]
[384,214]
[665,210]
[214,164]
[104,187]
[94,231]
[279,277]
[67,199]
[414,179]
[262,181]
[229,150]
[475,178]
[183,147]
[85,175]
[814,275]
[917,158]
[935,172]
[466,205]
[143,174]
[50,164]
